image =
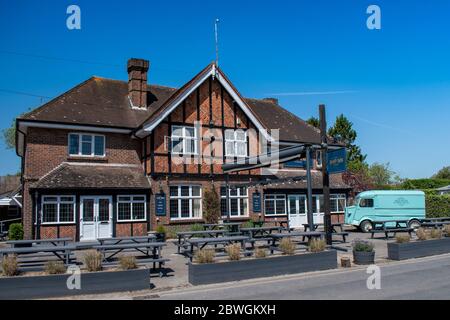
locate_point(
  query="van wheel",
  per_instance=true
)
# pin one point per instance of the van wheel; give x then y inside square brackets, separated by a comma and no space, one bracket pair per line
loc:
[365,226]
[415,224]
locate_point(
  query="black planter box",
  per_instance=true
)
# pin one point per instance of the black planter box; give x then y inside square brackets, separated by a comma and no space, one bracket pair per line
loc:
[417,249]
[47,286]
[363,257]
[261,267]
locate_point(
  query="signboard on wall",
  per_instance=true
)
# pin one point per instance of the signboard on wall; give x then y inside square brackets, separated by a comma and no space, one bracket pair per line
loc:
[337,161]
[256,202]
[160,204]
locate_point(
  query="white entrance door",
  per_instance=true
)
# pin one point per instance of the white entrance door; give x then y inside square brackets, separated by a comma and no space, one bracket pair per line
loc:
[297,211]
[318,208]
[95,217]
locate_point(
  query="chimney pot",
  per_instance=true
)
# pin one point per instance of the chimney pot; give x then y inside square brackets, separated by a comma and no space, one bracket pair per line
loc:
[273,100]
[137,82]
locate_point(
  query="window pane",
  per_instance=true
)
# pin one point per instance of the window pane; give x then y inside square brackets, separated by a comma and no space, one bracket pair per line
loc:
[185,208]
[333,205]
[103,210]
[86,145]
[314,205]
[241,148]
[196,191]
[341,205]
[292,205]
[233,191]
[50,199]
[196,213]
[67,199]
[229,148]
[99,147]
[190,132]
[223,206]
[244,204]
[66,212]
[190,146]
[302,205]
[280,207]
[124,211]
[173,191]
[229,134]
[49,212]
[240,135]
[88,210]
[177,145]
[124,198]
[234,207]
[177,131]
[223,191]
[138,211]
[174,208]
[74,144]
[184,191]
[270,206]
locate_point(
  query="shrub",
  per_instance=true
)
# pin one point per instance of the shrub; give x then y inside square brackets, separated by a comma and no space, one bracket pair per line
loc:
[197,227]
[421,234]
[15,231]
[287,246]
[211,205]
[160,229]
[233,251]
[317,245]
[93,260]
[362,246]
[437,206]
[127,262]
[447,230]
[55,267]
[402,238]
[10,266]
[421,184]
[260,253]
[435,233]
[204,256]
[247,224]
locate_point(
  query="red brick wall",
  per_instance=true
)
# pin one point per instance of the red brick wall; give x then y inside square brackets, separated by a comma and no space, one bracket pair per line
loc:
[128,229]
[189,116]
[65,231]
[47,148]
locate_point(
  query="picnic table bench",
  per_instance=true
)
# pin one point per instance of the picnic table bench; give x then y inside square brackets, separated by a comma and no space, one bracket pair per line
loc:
[54,242]
[132,239]
[151,252]
[185,235]
[435,224]
[383,227]
[200,243]
[337,229]
[62,252]
[232,228]
[304,234]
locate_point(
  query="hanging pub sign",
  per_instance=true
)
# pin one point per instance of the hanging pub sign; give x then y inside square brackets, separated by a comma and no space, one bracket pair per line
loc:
[160,204]
[337,161]
[256,202]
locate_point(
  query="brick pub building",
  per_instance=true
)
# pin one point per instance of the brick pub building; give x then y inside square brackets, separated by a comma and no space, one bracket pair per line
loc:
[95,158]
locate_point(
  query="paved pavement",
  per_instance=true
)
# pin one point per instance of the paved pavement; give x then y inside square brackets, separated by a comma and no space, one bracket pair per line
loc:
[426,278]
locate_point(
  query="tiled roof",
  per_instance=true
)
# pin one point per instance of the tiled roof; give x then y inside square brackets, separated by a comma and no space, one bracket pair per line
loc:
[95,176]
[104,102]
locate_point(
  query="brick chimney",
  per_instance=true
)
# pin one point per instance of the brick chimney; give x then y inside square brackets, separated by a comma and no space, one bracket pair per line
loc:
[137,82]
[272,100]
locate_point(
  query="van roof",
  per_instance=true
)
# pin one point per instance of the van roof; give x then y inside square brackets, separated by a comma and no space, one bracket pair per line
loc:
[372,193]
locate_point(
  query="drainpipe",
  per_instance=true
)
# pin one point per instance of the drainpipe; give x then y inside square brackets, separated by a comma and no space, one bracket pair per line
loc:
[38,220]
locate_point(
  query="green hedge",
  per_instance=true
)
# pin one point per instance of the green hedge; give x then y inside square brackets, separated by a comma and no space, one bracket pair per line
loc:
[437,206]
[421,184]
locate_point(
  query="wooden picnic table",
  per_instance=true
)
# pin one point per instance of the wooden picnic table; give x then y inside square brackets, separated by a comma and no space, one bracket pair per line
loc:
[200,243]
[260,232]
[62,252]
[233,228]
[441,219]
[135,239]
[281,223]
[384,227]
[334,230]
[436,224]
[185,235]
[54,242]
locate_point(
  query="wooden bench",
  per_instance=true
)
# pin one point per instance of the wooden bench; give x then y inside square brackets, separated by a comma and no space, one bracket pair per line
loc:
[185,235]
[382,227]
[25,243]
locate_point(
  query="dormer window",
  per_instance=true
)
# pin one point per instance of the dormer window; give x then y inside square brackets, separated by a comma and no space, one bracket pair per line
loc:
[86,145]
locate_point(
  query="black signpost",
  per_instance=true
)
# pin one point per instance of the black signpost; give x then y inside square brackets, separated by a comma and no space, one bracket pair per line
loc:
[325,175]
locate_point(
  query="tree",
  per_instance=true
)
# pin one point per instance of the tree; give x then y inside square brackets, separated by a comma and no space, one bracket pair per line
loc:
[381,174]
[313,121]
[343,131]
[211,205]
[9,136]
[444,173]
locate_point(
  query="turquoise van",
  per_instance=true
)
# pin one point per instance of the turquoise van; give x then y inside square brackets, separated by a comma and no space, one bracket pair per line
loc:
[386,205]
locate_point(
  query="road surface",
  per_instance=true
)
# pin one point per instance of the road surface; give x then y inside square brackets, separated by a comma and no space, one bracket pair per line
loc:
[426,278]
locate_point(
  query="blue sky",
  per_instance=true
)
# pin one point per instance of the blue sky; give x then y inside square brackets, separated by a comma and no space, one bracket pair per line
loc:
[393,83]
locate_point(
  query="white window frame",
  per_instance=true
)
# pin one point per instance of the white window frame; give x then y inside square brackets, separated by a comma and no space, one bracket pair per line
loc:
[279,196]
[235,142]
[179,197]
[132,201]
[336,197]
[80,144]
[58,203]
[184,139]
[238,196]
